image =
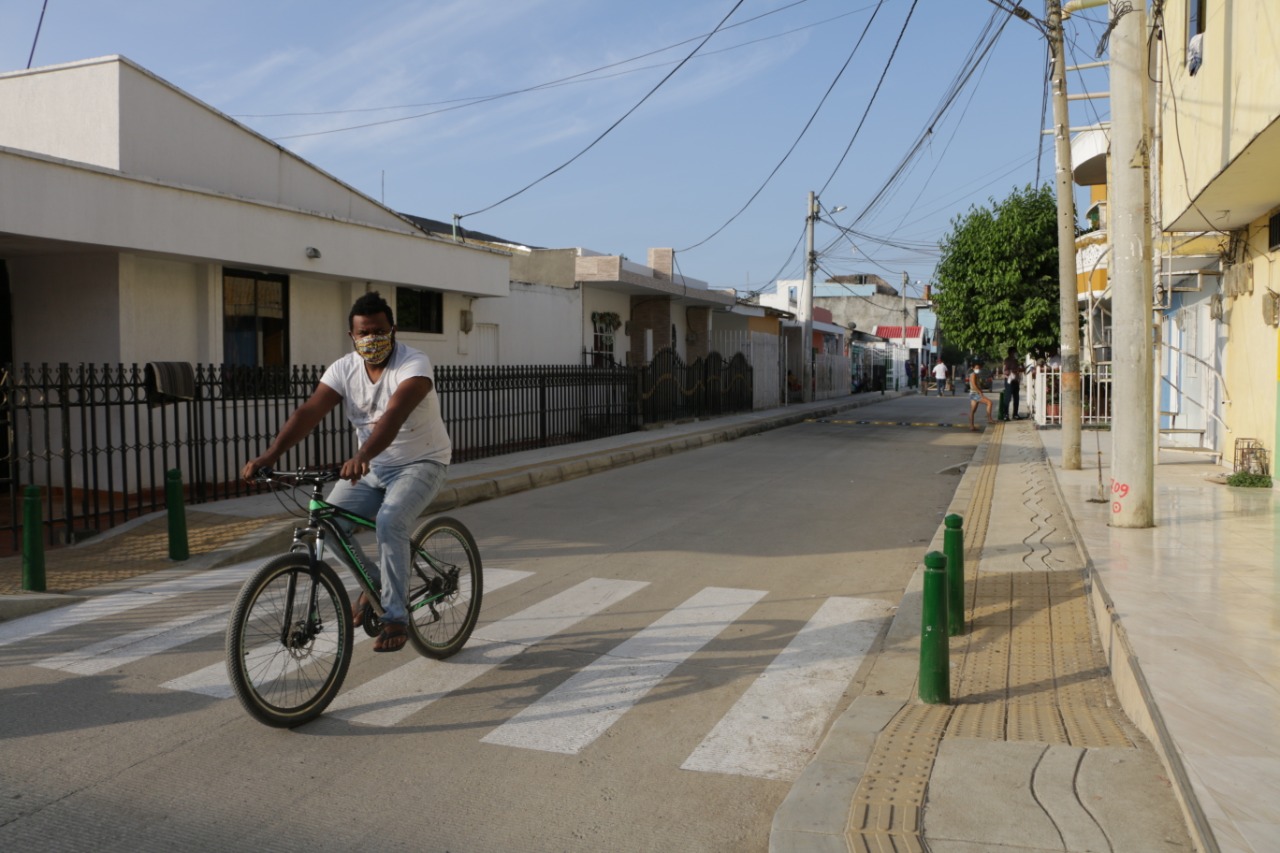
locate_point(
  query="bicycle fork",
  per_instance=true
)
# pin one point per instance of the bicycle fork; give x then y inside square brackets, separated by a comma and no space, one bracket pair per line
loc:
[311,541]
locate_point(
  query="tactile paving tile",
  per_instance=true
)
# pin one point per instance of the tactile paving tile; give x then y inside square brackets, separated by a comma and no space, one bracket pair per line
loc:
[1038,723]
[883,842]
[1030,667]
[1095,727]
[984,720]
[890,796]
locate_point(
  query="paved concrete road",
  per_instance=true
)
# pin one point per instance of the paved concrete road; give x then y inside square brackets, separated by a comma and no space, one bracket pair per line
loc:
[661,648]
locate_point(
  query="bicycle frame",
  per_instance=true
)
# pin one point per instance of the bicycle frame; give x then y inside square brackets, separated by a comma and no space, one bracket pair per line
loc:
[324,518]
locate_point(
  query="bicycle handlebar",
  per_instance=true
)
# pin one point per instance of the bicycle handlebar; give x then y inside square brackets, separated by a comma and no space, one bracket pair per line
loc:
[304,476]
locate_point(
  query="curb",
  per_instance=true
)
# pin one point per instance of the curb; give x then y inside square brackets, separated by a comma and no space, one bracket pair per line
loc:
[815,814]
[1136,698]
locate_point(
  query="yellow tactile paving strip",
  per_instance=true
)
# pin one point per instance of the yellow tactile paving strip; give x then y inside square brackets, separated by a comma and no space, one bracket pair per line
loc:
[141,550]
[1028,668]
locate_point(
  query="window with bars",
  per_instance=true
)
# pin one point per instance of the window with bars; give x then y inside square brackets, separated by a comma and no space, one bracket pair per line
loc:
[419,310]
[255,319]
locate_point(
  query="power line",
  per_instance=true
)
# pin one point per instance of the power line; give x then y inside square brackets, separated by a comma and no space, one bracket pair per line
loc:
[610,128]
[799,137]
[874,93]
[979,50]
[39,25]
[473,100]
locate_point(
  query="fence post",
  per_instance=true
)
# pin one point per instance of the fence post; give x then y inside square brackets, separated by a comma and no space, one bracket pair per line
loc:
[177,515]
[32,541]
[935,665]
[953,548]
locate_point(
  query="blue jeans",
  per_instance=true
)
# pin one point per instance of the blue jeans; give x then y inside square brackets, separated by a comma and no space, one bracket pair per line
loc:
[394,496]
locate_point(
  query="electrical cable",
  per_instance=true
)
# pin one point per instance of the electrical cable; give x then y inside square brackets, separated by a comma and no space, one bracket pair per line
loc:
[39,25]
[957,86]
[472,100]
[867,111]
[1044,108]
[799,137]
[610,128]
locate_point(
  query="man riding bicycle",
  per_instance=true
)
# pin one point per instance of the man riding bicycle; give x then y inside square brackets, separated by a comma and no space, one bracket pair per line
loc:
[403,454]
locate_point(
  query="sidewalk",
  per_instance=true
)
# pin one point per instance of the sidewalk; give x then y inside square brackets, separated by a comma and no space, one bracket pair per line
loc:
[1158,735]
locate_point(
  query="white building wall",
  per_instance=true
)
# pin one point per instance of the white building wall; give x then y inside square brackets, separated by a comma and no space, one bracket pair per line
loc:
[63,111]
[539,324]
[169,135]
[112,113]
[161,311]
[318,319]
[52,295]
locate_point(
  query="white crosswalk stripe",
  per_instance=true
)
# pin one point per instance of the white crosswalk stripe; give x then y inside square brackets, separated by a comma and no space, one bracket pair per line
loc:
[773,729]
[390,698]
[212,680]
[581,709]
[119,651]
[770,732]
[47,622]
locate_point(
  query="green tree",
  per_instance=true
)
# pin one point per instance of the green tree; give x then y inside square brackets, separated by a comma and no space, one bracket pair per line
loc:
[997,280]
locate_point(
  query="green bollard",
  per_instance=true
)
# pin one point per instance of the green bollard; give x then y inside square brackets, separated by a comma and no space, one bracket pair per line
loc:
[953,548]
[935,664]
[177,515]
[32,541]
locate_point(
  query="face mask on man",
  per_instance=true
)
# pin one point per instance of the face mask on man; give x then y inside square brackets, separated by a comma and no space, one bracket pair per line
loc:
[374,348]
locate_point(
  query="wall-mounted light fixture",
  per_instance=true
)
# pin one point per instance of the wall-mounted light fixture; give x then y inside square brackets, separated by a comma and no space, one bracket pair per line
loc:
[313,253]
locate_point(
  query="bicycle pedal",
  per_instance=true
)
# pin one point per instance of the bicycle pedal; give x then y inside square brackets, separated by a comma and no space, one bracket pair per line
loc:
[371,624]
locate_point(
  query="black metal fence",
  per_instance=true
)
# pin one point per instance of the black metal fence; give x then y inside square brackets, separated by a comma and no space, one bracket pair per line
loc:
[491,410]
[669,389]
[99,439]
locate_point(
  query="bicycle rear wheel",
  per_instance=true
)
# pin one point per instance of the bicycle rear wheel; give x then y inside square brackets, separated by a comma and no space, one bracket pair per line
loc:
[289,641]
[445,587]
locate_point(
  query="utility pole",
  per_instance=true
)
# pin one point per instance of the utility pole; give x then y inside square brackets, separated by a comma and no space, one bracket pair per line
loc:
[1068,304]
[905,349]
[806,302]
[1133,424]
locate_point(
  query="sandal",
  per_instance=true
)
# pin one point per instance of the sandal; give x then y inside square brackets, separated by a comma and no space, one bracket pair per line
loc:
[392,639]
[357,613]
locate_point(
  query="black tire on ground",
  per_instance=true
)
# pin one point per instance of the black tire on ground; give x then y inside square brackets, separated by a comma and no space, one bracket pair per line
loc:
[286,676]
[446,585]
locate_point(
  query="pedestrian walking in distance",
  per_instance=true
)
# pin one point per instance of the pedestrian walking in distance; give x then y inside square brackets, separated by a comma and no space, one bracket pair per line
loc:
[940,375]
[977,395]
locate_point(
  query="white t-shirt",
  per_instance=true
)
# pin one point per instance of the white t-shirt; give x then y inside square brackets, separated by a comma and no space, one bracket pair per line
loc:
[939,371]
[423,436]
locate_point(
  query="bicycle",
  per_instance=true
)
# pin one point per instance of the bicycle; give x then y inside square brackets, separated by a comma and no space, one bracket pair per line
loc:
[290,634]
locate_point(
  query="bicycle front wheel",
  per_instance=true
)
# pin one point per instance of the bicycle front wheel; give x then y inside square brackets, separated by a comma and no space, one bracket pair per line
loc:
[289,641]
[445,587]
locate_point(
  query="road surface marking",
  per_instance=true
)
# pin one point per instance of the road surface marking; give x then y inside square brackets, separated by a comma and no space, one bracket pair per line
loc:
[581,709]
[109,605]
[212,680]
[772,731]
[123,650]
[390,698]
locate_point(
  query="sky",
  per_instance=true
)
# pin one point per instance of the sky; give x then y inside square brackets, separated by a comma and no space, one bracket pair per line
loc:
[616,126]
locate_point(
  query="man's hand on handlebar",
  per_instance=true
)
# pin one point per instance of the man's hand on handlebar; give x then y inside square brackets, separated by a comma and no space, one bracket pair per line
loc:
[354,468]
[249,472]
